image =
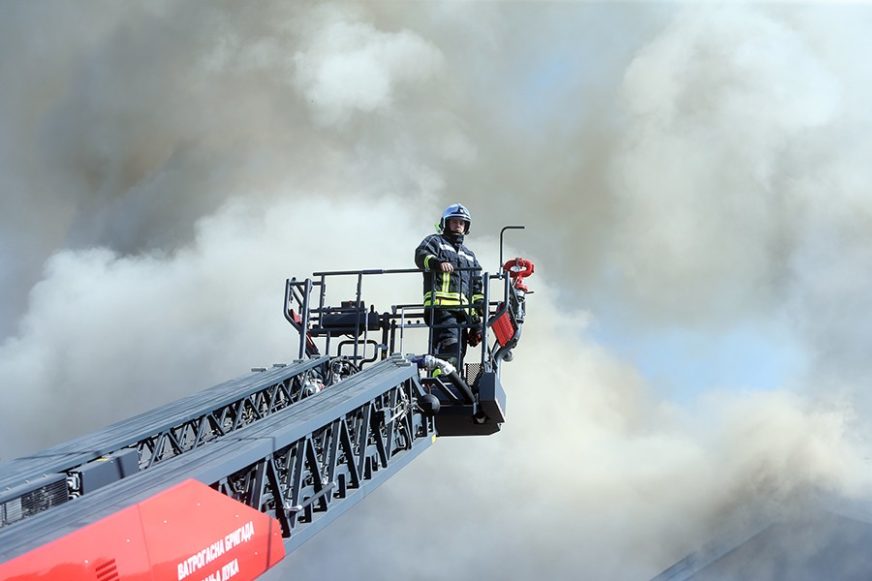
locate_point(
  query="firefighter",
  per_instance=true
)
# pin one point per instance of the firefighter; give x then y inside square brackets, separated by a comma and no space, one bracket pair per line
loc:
[447,283]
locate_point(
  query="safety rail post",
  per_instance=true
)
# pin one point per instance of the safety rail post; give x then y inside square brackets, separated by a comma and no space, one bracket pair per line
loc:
[357,305]
[322,297]
[503,231]
[403,326]
[289,292]
[393,337]
[430,314]
[305,316]
[485,285]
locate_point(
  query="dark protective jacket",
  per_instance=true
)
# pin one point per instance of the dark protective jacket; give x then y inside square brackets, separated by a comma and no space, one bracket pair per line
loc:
[451,288]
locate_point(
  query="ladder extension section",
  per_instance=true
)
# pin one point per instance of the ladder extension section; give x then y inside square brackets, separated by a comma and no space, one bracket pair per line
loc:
[33,484]
[303,465]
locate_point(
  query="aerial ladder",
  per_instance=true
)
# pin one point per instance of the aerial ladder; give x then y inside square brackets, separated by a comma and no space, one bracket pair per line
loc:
[223,483]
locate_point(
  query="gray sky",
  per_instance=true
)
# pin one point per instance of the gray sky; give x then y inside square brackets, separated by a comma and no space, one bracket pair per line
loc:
[692,176]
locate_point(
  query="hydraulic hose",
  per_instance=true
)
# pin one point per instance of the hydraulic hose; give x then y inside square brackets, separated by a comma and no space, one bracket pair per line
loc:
[430,362]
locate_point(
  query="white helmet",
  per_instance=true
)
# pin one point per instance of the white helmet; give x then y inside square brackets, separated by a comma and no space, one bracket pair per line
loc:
[455,211]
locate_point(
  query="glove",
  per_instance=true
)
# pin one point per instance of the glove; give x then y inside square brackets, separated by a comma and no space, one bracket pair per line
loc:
[475,312]
[474,337]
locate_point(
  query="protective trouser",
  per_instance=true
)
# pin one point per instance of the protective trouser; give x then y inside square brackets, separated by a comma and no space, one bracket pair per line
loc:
[449,340]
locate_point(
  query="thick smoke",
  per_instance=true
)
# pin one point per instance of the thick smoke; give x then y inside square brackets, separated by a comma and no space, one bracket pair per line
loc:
[163,169]
[107,335]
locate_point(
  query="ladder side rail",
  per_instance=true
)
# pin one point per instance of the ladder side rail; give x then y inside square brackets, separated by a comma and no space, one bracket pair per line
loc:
[131,430]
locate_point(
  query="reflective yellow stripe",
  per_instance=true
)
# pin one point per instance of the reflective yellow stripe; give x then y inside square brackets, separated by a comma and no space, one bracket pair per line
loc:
[449,296]
[446,281]
[478,297]
[427,261]
[445,299]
